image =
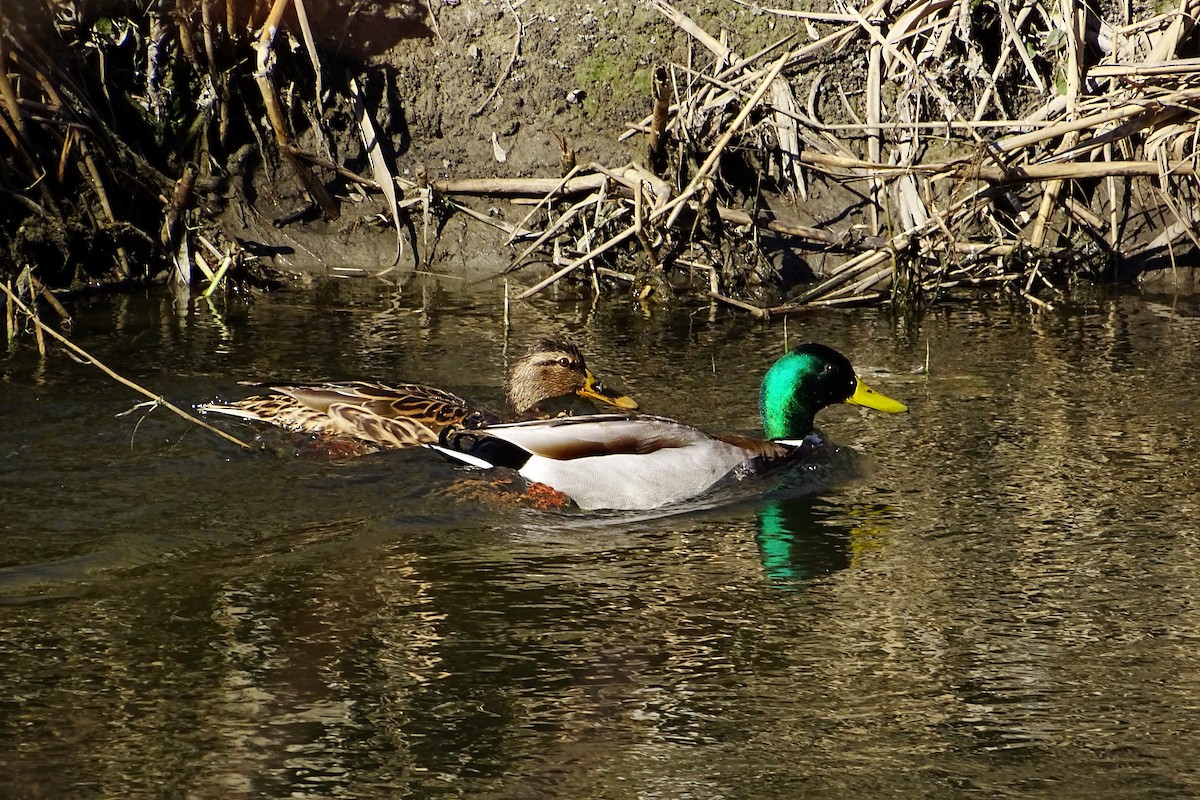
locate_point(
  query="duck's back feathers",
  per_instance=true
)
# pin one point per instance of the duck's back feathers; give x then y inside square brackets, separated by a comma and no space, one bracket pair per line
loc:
[410,400]
[380,431]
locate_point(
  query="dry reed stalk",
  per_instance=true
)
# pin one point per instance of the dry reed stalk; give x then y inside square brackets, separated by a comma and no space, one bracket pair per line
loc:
[852,300]
[755,311]
[1017,44]
[1147,69]
[102,194]
[226,263]
[379,162]
[584,259]
[643,239]
[159,12]
[310,46]
[198,260]
[9,95]
[1036,173]
[676,205]
[874,109]
[657,147]
[14,138]
[349,175]
[546,188]
[10,316]
[279,125]
[513,231]
[210,52]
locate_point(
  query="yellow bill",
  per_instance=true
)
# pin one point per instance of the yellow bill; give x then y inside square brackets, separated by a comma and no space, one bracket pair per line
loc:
[866,396]
[598,391]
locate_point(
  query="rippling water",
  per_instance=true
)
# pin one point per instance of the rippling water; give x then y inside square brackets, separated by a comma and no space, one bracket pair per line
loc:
[995,596]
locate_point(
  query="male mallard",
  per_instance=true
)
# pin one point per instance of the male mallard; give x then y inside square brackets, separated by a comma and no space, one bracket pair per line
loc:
[411,414]
[610,461]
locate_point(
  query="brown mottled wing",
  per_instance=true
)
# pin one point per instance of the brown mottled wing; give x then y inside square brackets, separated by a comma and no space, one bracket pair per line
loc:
[430,407]
[277,409]
[384,431]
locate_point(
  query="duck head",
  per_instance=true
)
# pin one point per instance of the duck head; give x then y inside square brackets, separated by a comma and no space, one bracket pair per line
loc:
[553,369]
[807,379]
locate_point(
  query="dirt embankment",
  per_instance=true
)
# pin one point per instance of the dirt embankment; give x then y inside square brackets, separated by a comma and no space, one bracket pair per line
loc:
[487,88]
[891,151]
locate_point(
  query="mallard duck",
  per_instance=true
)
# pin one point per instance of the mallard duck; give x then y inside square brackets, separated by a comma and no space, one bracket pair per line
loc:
[410,414]
[621,462]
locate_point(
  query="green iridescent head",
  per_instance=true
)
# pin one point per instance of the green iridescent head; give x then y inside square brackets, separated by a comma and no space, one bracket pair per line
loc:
[806,380]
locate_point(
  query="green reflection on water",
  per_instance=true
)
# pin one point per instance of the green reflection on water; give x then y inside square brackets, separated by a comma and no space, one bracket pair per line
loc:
[802,538]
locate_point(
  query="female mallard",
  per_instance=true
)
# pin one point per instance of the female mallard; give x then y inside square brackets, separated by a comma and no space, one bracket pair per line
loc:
[609,461]
[410,414]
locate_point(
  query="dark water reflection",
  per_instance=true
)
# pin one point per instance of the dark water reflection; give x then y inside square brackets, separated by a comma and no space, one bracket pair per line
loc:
[998,598]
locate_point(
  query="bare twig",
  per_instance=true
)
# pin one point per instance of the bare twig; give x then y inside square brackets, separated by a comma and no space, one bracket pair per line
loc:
[90,359]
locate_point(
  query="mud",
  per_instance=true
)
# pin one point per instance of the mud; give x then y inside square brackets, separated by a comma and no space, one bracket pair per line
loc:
[455,103]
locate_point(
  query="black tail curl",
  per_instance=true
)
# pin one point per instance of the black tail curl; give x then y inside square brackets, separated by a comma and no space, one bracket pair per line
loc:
[479,444]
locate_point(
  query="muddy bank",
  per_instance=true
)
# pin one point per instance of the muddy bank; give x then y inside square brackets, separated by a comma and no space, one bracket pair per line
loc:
[896,152]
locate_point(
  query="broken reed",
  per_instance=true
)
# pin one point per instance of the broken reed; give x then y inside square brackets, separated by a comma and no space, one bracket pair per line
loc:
[1048,189]
[1042,182]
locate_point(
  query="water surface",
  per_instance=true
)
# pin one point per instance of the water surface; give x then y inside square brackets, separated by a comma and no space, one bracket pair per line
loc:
[996,598]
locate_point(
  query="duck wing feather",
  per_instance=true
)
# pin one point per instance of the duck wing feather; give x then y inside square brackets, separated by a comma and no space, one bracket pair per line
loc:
[425,404]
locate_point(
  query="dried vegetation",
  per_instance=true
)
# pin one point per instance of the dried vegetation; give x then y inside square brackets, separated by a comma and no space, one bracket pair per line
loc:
[1018,146]
[1008,145]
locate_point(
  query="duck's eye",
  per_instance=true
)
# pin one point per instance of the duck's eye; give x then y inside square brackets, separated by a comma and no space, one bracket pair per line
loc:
[565,363]
[829,368]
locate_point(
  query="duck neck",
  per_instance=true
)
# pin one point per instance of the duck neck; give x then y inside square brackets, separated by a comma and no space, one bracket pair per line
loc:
[784,415]
[522,395]
[787,421]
